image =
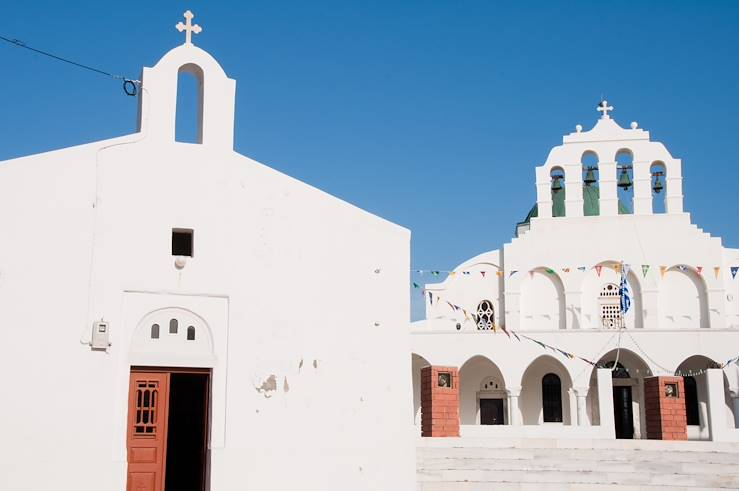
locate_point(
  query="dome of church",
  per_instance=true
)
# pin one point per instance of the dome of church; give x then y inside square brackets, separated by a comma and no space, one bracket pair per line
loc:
[591,206]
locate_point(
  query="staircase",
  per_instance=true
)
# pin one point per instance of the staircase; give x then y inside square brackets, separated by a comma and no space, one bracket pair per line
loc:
[467,464]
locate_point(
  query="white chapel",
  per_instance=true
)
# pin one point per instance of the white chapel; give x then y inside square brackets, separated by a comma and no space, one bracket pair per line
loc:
[178,316]
[608,307]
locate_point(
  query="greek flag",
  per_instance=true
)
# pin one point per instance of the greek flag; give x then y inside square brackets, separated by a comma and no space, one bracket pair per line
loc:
[624,291]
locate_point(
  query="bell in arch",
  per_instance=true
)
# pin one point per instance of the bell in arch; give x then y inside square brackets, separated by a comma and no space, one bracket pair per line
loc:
[624,181]
[658,186]
[556,184]
[590,179]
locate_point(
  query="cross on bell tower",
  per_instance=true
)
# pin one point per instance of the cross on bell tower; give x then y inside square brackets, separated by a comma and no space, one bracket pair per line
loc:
[188,27]
[604,108]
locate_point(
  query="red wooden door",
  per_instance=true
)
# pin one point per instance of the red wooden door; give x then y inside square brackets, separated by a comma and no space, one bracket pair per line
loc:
[148,409]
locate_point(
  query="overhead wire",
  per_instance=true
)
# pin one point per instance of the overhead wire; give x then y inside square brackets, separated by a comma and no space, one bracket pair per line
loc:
[130,86]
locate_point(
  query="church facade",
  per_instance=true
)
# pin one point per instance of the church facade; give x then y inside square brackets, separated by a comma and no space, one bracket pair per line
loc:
[606,290]
[176,315]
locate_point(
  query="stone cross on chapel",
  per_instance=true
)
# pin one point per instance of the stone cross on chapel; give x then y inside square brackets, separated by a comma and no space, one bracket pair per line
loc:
[188,27]
[604,108]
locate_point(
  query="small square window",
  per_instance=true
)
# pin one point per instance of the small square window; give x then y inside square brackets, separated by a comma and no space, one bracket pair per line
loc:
[445,379]
[182,242]
[671,390]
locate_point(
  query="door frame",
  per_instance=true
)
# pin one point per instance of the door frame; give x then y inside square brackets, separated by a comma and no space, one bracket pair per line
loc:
[492,394]
[208,409]
[622,389]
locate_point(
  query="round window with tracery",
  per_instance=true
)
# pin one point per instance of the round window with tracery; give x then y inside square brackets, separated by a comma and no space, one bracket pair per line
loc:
[485,315]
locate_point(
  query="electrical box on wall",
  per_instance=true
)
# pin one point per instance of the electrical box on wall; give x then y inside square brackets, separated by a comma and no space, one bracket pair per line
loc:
[100,335]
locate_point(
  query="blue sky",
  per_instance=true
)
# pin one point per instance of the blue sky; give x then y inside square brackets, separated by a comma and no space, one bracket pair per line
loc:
[432,114]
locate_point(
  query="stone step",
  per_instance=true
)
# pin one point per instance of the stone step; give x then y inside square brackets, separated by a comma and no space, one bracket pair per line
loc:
[540,476]
[614,455]
[574,465]
[507,486]
[544,464]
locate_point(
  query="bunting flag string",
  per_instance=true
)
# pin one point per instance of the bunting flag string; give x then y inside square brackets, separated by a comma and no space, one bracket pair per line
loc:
[435,297]
[616,267]
[518,335]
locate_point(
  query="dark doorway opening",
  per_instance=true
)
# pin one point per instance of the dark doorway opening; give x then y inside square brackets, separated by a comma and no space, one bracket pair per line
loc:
[491,412]
[187,432]
[551,396]
[623,414]
[691,401]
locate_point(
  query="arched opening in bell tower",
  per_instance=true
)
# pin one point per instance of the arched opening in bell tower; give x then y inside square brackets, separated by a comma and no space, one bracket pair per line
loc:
[189,112]
[625,181]
[590,179]
[658,173]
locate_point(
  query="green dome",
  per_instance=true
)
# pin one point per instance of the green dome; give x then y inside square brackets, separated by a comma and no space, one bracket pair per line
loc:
[591,207]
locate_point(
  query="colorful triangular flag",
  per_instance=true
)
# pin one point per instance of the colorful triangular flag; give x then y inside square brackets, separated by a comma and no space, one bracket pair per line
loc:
[644,269]
[582,268]
[734,269]
[716,270]
[699,269]
[598,269]
[662,271]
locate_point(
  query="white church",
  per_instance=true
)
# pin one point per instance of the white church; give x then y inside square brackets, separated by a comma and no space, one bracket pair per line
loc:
[535,334]
[176,315]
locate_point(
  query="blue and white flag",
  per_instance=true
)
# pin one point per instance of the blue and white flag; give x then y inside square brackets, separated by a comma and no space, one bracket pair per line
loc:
[624,291]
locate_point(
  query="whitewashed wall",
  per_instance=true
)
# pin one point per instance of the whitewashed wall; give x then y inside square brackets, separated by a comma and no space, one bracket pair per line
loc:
[290,282]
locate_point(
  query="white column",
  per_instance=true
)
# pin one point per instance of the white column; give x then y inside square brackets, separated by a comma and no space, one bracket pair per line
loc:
[581,394]
[515,412]
[543,192]
[735,398]
[717,423]
[642,188]
[674,187]
[605,402]
[608,179]
[573,190]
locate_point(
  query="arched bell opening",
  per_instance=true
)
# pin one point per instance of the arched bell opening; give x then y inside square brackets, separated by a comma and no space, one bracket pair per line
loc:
[189,112]
[590,179]
[557,176]
[625,182]
[658,172]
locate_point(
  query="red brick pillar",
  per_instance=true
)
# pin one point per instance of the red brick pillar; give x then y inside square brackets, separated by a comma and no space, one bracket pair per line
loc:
[439,401]
[665,408]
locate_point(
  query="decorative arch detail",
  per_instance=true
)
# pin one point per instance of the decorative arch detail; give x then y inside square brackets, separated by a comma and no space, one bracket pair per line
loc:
[683,299]
[172,331]
[542,300]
